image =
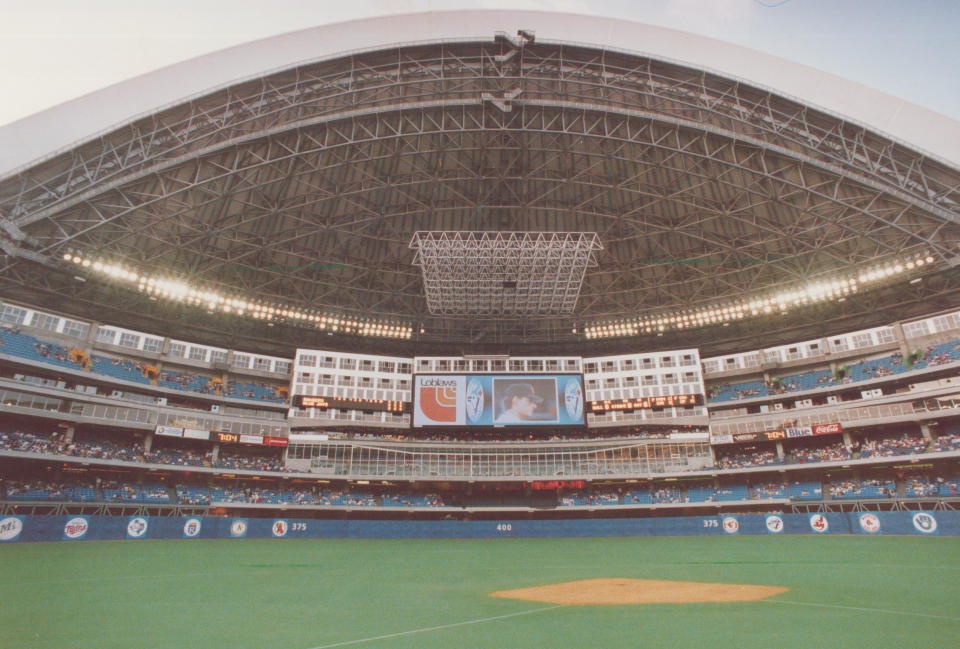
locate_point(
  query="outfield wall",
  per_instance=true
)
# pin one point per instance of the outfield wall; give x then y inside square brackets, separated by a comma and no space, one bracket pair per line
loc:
[103,528]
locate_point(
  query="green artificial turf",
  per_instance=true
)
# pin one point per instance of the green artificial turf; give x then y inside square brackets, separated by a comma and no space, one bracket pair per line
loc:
[849,591]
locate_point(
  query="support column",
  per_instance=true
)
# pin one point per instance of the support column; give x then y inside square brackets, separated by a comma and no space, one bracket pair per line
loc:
[92,334]
[902,344]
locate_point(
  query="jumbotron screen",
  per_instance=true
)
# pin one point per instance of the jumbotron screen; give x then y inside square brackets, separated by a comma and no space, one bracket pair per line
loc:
[498,400]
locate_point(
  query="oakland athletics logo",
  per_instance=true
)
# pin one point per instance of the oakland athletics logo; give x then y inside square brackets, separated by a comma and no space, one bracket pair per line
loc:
[238,527]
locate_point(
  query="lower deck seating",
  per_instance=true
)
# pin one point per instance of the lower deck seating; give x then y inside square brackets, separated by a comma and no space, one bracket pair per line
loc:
[768,491]
[921,488]
[641,497]
[869,489]
[193,495]
[806,490]
[950,487]
[588,500]
[665,495]
[131,493]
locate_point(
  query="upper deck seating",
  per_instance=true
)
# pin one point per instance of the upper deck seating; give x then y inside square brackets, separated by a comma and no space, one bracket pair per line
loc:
[940,354]
[736,391]
[813,380]
[254,391]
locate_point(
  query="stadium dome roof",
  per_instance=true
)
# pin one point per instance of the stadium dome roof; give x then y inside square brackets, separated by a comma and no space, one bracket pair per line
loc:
[317,171]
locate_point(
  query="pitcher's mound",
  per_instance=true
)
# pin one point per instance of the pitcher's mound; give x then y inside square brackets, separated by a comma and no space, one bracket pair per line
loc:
[640,591]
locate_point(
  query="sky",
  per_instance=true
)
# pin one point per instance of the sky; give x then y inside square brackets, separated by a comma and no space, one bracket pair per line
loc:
[52,51]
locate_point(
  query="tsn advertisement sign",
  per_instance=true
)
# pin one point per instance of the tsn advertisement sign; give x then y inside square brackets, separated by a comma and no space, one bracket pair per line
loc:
[451,400]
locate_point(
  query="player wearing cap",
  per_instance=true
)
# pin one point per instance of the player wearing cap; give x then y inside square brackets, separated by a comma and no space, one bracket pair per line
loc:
[520,401]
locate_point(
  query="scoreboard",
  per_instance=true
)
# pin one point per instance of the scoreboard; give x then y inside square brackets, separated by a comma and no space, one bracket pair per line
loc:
[375,405]
[646,403]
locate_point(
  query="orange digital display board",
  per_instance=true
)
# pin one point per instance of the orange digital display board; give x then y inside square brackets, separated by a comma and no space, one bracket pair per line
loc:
[647,403]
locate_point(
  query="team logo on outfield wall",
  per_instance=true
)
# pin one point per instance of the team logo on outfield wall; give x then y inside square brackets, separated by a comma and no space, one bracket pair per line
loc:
[238,528]
[925,523]
[774,524]
[280,528]
[191,528]
[731,525]
[819,523]
[76,528]
[10,528]
[137,527]
[869,523]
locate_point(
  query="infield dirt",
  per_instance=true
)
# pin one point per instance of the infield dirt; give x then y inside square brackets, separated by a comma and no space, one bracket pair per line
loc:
[591,592]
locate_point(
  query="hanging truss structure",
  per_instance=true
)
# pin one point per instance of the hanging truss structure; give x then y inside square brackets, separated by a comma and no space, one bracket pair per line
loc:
[504,273]
[307,186]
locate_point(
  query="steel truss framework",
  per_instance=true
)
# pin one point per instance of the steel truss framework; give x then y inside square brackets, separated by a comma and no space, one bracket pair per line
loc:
[503,273]
[305,187]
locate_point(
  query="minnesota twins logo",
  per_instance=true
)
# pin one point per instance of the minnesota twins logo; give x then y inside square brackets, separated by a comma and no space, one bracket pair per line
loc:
[75,528]
[925,523]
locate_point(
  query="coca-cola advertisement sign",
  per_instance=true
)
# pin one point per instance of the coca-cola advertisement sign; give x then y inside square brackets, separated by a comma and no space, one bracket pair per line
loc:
[827,429]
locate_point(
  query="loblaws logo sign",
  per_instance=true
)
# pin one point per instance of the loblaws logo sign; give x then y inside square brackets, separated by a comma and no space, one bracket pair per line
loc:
[10,528]
[438,399]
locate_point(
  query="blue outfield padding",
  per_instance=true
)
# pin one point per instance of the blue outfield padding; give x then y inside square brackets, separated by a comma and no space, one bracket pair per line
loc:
[102,528]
